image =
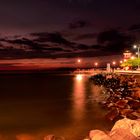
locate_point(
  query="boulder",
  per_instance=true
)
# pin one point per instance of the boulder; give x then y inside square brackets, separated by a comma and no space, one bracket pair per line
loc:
[125,112]
[122,134]
[135,104]
[114,113]
[121,103]
[98,135]
[52,137]
[25,137]
[132,126]
[136,94]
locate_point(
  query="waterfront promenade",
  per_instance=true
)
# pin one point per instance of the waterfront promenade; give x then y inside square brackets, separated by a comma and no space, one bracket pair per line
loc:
[93,72]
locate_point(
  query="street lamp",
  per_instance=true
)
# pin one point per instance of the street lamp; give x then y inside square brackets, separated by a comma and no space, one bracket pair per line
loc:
[79,60]
[114,63]
[79,65]
[137,47]
[96,64]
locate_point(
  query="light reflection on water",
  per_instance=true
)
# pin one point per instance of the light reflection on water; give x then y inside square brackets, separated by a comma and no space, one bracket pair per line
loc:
[78,97]
[34,106]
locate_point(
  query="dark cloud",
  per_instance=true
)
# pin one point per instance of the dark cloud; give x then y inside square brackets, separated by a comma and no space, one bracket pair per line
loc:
[13,53]
[50,37]
[135,27]
[114,40]
[83,47]
[57,44]
[86,36]
[36,45]
[79,24]
[31,44]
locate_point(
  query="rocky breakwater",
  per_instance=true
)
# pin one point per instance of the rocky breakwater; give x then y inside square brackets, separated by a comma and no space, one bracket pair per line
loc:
[123,95]
[124,129]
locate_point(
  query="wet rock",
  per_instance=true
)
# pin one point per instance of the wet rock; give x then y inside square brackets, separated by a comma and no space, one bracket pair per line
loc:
[132,126]
[137,114]
[25,137]
[131,116]
[129,98]
[122,134]
[125,112]
[52,137]
[98,135]
[121,103]
[135,104]
[114,113]
[136,94]
[49,137]
[123,95]
[110,105]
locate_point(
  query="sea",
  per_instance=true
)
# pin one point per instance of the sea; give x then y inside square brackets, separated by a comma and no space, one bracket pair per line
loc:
[35,105]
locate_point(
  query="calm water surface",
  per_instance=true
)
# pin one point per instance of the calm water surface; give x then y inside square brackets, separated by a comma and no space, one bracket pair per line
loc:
[33,106]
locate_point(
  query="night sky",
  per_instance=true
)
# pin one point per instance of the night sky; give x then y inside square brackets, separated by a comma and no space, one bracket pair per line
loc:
[67,28]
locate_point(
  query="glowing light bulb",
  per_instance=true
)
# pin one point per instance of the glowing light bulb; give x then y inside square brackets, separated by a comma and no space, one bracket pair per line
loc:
[79,77]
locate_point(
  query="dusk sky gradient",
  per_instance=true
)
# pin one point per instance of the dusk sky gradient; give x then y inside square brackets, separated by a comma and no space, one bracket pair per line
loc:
[43,15]
[64,28]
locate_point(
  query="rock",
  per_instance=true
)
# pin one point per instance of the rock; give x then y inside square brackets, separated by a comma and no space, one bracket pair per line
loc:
[135,104]
[136,94]
[137,114]
[110,105]
[98,135]
[131,116]
[132,126]
[138,110]
[129,98]
[122,134]
[125,112]
[114,113]
[49,137]
[121,103]
[25,137]
[52,137]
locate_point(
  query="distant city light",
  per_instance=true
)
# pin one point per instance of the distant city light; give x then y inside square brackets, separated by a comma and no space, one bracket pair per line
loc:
[114,63]
[121,61]
[127,68]
[135,46]
[125,60]
[132,57]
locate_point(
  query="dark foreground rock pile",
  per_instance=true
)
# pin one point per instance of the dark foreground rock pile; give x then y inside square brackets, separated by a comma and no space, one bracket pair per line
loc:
[124,95]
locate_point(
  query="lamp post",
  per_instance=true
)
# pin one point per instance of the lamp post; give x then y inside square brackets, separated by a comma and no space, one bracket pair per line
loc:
[138,47]
[79,62]
[114,63]
[96,64]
